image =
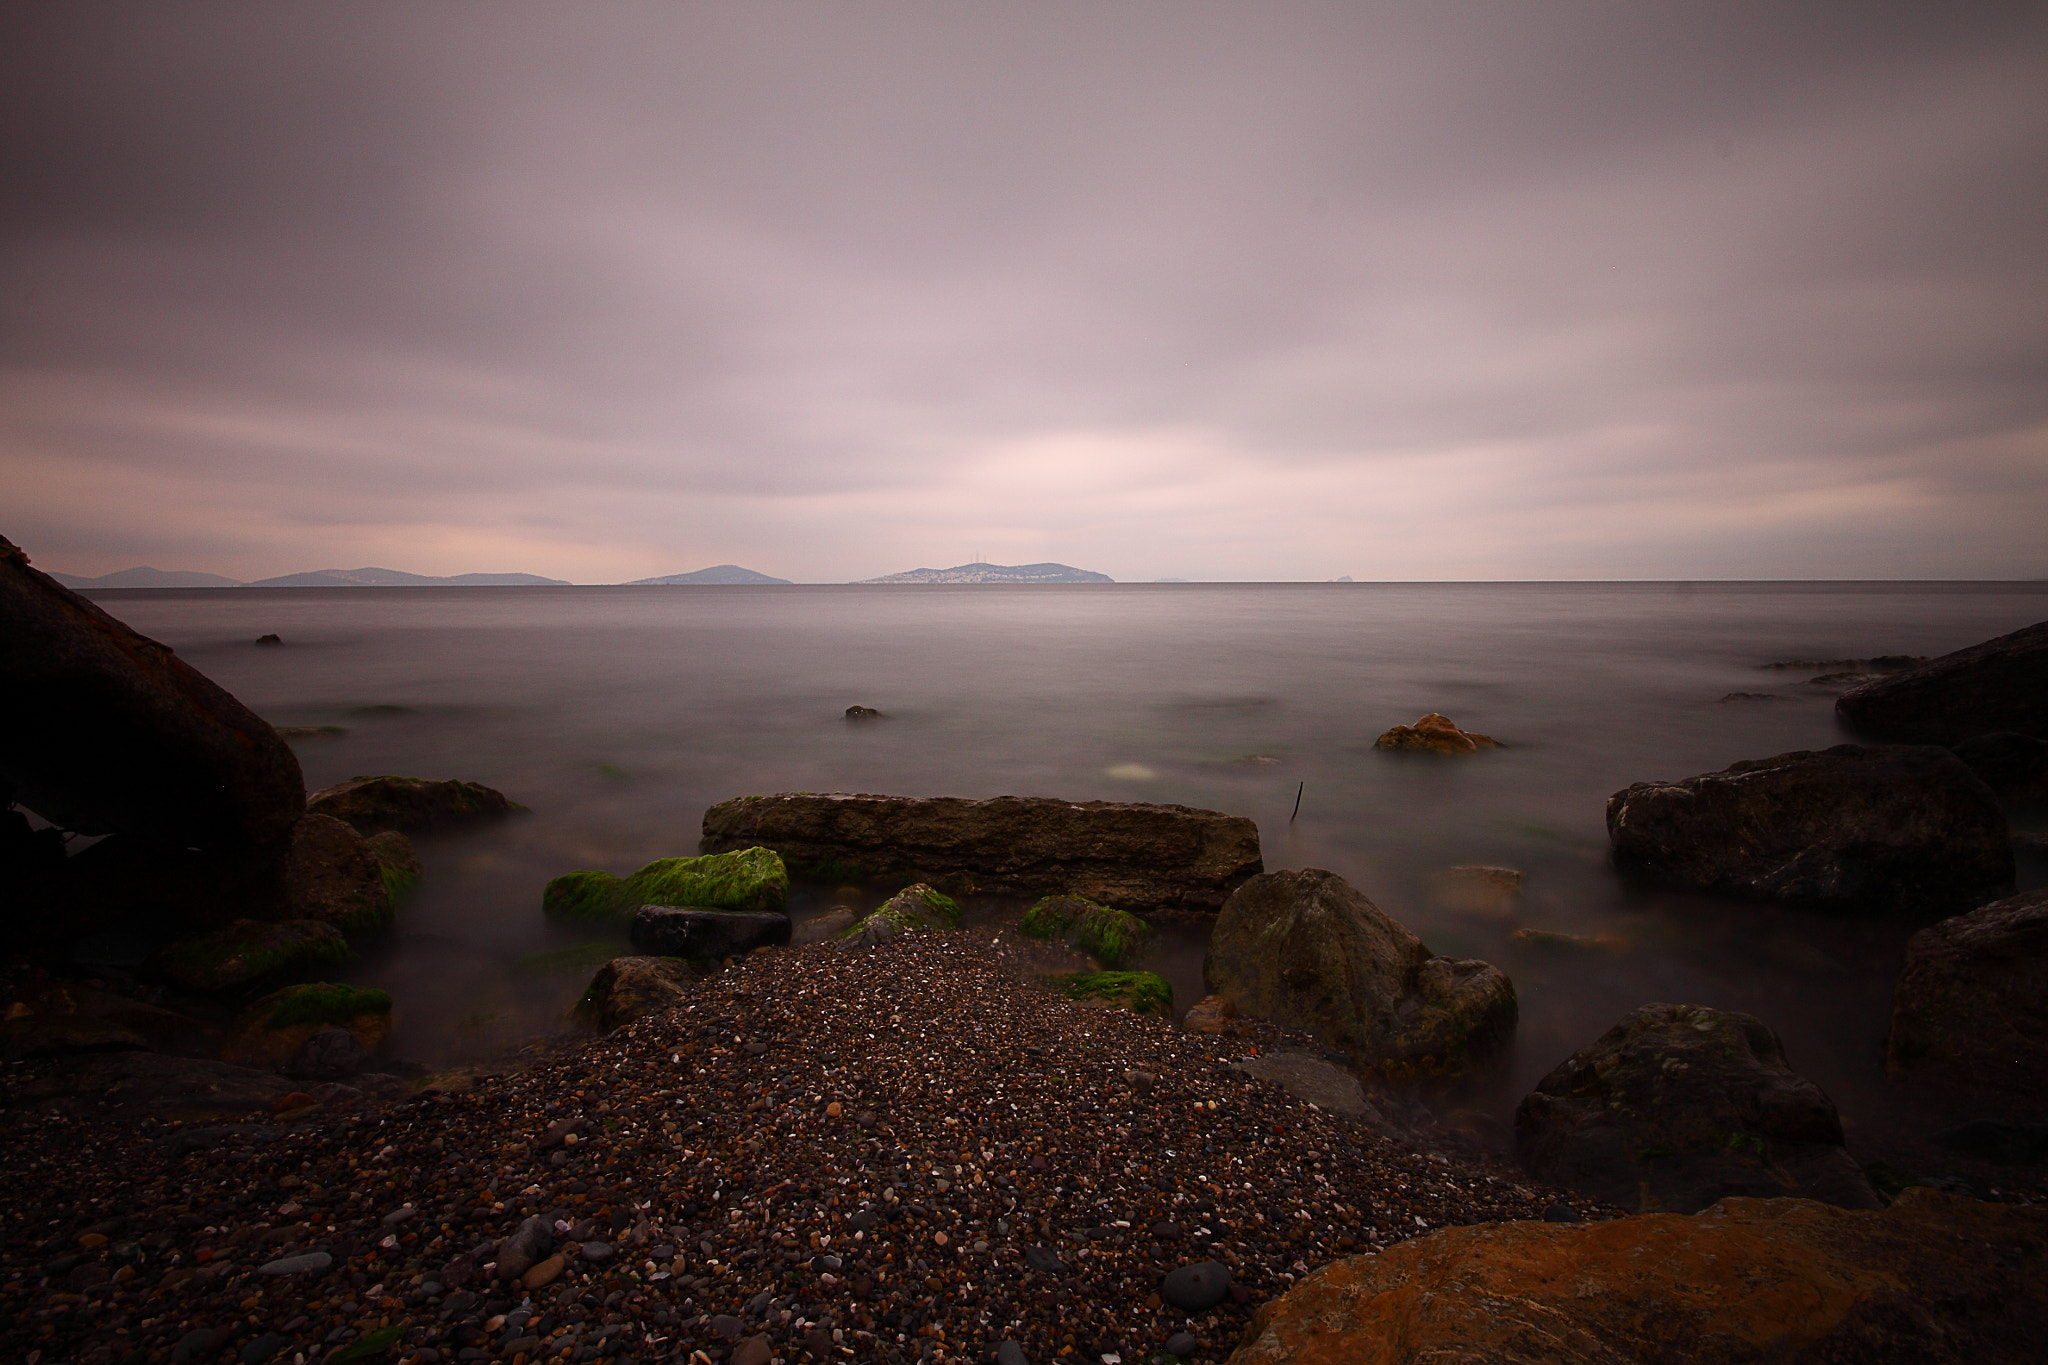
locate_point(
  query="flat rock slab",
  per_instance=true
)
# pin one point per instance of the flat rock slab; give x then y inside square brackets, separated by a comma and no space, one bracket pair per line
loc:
[700,932]
[1142,858]
[1321,1083]
[2001,684]
[140,1083]
[1934,1277]
[1904,829]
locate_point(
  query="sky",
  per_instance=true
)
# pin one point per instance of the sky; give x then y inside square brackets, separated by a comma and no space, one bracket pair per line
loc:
[1217,291]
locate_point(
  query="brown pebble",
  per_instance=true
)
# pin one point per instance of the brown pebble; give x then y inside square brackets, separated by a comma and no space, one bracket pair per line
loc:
[545,1273]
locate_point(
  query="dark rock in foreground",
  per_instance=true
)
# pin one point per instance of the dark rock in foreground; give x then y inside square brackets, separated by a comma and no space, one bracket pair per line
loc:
[1136,857]
[1933,1278]
[629,988]
[2013,765]
[1892,828]
[2001,684]
[1677,1106]
[1309,952]
[249,952]
[701,933]
[1972,1002]
[103,730]
[335,876]
[408,804]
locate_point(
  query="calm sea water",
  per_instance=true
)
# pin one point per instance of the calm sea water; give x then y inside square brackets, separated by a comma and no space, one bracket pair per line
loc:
[619,714]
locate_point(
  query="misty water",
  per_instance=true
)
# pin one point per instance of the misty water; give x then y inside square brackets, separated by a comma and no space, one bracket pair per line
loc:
[618,714]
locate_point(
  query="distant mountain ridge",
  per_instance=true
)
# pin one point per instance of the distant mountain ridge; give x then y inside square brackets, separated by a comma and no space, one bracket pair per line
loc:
[146,577]
[997,573]
[394,578]
[720,574]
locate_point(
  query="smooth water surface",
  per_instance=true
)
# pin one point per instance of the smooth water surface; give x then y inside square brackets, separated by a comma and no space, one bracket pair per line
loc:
[619,714]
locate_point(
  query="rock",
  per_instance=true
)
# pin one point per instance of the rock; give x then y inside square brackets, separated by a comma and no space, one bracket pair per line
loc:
[408,804]
[1181,1344]
[1934,1277]
[1196,1288]
[703,934]
[525,1248]
[726,1326]
[597,1253]
[543,1273]
[251,952]
[273,1029]
[2013,765]
[1551,938]
[1011,1353]
[1112,937]
[629,988]
[1307,951]
[824,928]
[864,713]
[2001,684]
[1434,734]
[755,1350]
[333,876]
[1485,892]
[915,909]
[1321,1083]
[1972,1001]
[1210,1014]
[1677,1106]
[108,731]
[745,879]
[1143,857]
[1045,1261]
[331,1054]
[57,1018]
[306,1263]
[397,862]
[1560,1212]
[1892,829]
[153,1085]
[1138,992]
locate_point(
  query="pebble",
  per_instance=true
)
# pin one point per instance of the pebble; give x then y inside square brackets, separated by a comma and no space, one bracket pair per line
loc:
[1196,1288]
[1182,1344]
[779,1223]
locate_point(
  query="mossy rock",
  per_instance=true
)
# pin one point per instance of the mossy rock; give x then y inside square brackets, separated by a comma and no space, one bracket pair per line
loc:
[398,863]
[274,1028]
[749,879]
[916,908]
[1139,992]
[1112,937]
[248,952]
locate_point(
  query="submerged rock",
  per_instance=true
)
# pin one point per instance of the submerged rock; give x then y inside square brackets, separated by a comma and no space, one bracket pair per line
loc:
[699,933]
[2001,684]
[1903,829]
[1934,1277]
[1110,936]
[629,988]
[273,1030]
[1677,1106]
[1308,951]
[746,879]
[397,862]
[824,928]
[1145,857]
[1435,734]
[1972,1001]
[1481,891]
[408,804]
[249,952]
[335,876]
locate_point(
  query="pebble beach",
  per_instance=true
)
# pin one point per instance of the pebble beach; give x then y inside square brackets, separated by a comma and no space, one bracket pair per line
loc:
[910,1153]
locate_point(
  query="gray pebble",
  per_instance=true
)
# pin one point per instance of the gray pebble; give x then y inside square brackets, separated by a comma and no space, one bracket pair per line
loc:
[403,1214]
[753,1351]
[597,1253]
[1011,1353]
[1560,1212]
[1166,1230]
[1196,1288]
[1181,1344]
[727,1326]
[306,1262]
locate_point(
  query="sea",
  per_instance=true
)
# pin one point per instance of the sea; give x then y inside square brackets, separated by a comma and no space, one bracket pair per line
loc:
[618,714]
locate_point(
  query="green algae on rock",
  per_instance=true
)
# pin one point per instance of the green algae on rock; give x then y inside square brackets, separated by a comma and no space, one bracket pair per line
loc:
[378,803]
[249,951]
[916,908]
[749,879]
[275,1027]
[397,861]
[334,875]
[1139,992]
[1112,936]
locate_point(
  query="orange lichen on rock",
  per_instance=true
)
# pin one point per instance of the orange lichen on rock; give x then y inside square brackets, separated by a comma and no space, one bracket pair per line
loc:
[1435,734]
[1748,1279]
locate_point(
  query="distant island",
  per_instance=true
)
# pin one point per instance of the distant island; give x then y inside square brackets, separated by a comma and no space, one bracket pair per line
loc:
[721,574]
[318,578]
[996,573]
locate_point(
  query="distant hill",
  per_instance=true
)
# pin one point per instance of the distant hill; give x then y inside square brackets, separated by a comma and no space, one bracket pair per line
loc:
[725,574]
[146,577]
[997,573]
[393,578]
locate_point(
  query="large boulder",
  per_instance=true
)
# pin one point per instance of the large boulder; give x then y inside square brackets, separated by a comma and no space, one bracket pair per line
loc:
[1143,857]
[1972,1003]
[744,879]
[917,908]
[408,804]
[1308,951]
[250,953]
[629,988]
[1112,937]
[702,934]
[107,731]
[2011,764]
[335,876]
[1896,828]
[2001,684]
[1935,1277]
[1677,1106]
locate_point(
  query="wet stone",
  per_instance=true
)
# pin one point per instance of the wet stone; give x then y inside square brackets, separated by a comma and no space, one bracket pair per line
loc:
[1196,1288]
[1181,1344]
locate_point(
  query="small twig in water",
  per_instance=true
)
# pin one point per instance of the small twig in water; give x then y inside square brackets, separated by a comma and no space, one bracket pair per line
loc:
[1297,800]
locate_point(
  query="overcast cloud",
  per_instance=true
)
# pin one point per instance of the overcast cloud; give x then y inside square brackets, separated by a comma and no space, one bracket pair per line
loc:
[1216,291]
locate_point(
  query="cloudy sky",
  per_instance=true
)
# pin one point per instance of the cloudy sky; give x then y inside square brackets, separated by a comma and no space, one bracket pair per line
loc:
[1207,290]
